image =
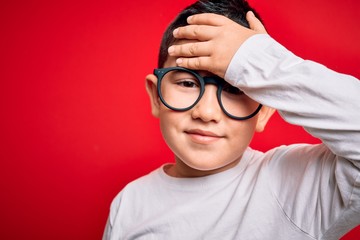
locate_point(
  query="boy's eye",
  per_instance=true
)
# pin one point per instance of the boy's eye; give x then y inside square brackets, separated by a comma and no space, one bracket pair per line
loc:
[187,83]
[232,90]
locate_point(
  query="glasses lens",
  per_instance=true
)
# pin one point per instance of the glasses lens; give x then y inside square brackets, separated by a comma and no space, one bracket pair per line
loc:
[180,89]
[236,103]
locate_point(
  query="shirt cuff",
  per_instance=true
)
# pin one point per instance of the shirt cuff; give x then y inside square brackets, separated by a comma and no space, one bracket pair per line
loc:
[255,57]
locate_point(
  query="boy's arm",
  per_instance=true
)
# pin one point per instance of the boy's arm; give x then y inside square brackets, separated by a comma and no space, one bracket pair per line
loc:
[324,102]
[306,93]
[324,180]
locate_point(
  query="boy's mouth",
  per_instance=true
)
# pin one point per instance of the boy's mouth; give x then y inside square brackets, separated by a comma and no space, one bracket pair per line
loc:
[202,136]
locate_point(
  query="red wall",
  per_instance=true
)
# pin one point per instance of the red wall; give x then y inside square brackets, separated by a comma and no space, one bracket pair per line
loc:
[75,118]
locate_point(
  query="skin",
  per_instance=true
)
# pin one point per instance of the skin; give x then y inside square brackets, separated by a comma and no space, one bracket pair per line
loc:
[204,140]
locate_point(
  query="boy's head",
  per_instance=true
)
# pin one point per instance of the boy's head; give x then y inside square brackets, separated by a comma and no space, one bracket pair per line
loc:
[204,139]
[233,9]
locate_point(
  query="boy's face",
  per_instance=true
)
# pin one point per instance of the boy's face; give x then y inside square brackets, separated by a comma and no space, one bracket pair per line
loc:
[203,139]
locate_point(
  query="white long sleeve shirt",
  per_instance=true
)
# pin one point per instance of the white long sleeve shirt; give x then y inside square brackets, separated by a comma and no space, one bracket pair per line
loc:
[300,191]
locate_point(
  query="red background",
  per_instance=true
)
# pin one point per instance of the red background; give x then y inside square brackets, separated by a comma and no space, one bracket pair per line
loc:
[75,118]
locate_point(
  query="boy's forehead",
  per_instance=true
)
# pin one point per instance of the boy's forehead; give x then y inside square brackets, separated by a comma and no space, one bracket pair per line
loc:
[170,62]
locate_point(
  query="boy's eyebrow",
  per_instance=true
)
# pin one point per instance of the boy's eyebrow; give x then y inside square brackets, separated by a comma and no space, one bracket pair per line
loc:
[213,80]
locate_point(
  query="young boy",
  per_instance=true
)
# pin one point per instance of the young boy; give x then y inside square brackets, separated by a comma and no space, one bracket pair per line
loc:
[219,188]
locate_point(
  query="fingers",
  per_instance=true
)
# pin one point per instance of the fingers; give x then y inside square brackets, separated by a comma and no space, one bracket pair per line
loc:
[194,63]
[196,32]
[255,23]
[210,41]
[190,49]
[201,27]
[204,26]
[210,19]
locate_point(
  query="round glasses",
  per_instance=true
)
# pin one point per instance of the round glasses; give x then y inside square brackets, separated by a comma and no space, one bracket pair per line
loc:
[180,89]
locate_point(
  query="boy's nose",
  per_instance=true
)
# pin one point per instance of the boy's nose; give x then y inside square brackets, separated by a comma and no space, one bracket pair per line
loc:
[208,108]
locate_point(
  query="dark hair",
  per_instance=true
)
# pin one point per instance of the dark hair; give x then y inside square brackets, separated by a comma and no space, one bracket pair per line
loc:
[233,9]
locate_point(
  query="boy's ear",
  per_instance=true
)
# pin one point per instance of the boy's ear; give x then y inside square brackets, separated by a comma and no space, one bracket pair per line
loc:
[264,116]
[151,88]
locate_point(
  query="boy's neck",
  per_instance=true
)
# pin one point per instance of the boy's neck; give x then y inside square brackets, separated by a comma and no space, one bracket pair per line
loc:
[181,170]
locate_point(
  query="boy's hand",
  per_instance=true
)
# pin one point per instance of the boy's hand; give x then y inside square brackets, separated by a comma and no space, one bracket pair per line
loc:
[217,40]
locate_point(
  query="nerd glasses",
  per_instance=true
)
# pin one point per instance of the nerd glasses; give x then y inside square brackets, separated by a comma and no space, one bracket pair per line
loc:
[180,89]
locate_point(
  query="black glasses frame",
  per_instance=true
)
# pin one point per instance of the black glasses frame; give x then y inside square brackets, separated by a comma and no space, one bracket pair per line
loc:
[219,82]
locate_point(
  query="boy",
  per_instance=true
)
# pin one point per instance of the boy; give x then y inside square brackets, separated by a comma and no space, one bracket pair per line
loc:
[218,187]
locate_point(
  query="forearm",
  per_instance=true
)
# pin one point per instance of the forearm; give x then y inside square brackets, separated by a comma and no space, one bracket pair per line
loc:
[305,93]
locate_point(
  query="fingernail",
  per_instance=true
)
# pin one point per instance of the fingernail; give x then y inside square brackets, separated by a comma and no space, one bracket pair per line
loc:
[179,61]
[171,49]
[189,19]
[175,32]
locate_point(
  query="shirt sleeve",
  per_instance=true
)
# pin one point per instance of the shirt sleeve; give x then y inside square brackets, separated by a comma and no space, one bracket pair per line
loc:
[109,227]
[107,230]
[317,186]
[305,93]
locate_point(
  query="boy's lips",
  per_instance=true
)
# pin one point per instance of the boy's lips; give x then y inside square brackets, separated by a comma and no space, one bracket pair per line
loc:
[202,136]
